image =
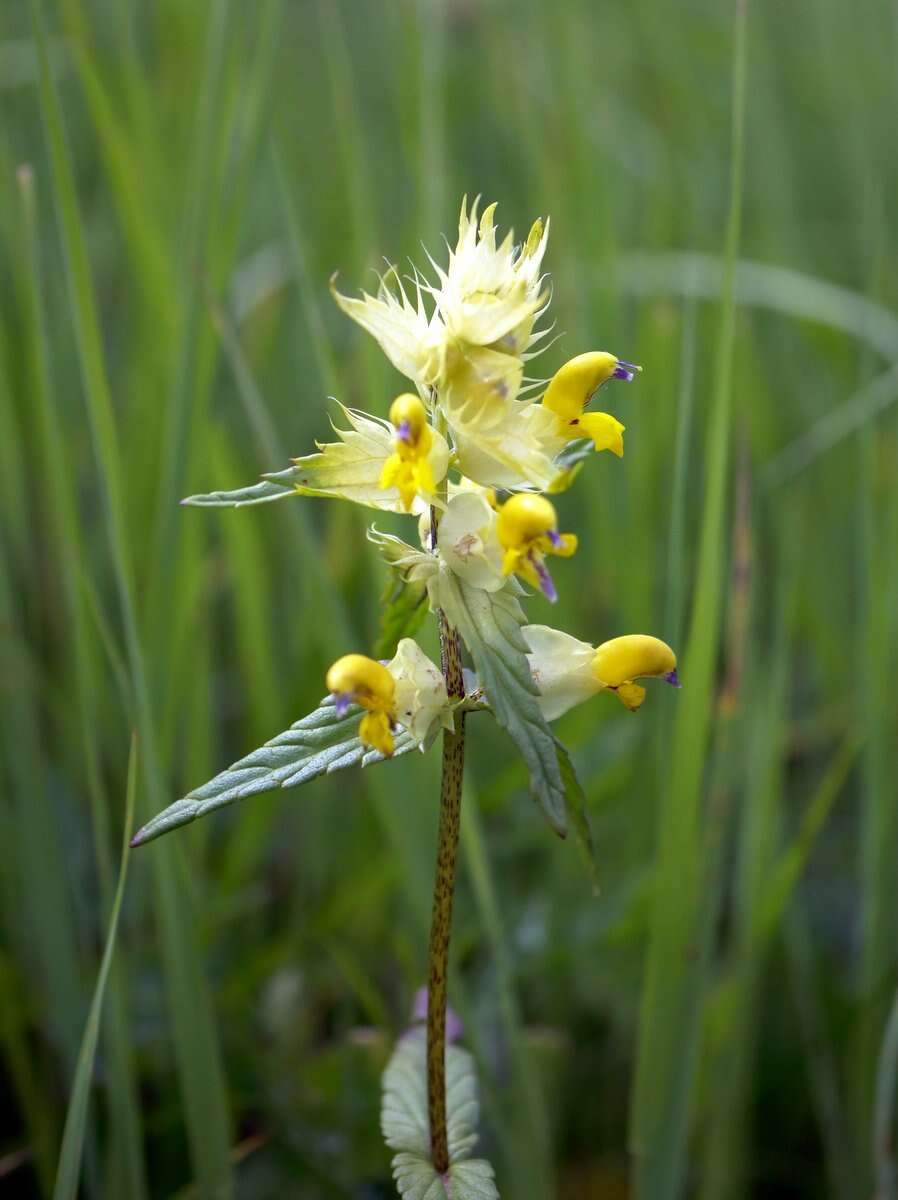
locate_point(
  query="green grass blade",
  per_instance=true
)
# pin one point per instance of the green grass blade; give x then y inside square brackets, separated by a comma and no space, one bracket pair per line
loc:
[76,1119]
[670,1012]
[885,1165]
[193,1024]
[63,516]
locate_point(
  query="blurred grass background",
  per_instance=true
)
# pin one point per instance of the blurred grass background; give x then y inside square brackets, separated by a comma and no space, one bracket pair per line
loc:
[178,180]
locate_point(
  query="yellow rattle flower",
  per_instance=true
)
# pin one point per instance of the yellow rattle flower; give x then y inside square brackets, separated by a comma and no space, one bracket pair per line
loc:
[527,527]
[636,655]
[408,467]
[355,679]
[573,386]
[568,671]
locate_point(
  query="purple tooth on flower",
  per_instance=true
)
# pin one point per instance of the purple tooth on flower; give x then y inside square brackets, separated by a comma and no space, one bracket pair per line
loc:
[555,538]
[545,580]
[625,370]
[404,431]
[673,678]
[342,702]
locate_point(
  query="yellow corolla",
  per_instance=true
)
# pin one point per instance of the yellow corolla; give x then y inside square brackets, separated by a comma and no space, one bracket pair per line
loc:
[355,679]
[409,468]
[635,656]
[407,691]
[527,527]
[568,671]
[573,386]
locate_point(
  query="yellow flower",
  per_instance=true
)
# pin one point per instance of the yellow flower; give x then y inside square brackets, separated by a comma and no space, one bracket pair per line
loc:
[573,386]
[354,467]
[409,691]
[634,656]
[568,671]
[355,679]
[527,527]
[409,468]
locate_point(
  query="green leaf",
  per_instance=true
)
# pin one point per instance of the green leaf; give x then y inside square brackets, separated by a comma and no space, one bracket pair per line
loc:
[490,626]
[70,1155]
[273,487]
[317,745]
[404,1124]
[405,607]
[575,802]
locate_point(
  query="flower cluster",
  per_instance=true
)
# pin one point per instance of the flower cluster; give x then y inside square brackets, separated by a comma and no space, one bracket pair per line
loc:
[474,451]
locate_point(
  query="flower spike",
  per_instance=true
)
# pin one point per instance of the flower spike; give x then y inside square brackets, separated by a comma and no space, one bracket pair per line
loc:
[528,530]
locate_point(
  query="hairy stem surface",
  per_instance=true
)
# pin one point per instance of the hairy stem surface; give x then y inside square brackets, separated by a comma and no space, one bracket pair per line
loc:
[443,891]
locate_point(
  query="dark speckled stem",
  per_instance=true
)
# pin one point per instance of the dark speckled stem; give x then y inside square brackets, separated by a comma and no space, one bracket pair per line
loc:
[443,892]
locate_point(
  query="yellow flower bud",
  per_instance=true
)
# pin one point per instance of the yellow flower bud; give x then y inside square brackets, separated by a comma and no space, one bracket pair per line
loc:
[363,681]
[409,468]
[524,518]
[355,679]
[409,417]
[527,529]
[618,662]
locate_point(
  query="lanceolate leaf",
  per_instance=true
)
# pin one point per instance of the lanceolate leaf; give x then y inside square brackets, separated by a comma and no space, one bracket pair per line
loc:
[404,1125]
[490,626]
[317,745]
[575,799]
[272,487]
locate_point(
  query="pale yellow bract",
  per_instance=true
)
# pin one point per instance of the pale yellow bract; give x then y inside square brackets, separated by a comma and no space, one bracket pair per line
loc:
[464,342]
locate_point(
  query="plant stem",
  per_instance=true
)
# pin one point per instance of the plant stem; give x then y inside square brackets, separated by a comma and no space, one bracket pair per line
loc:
[443,892]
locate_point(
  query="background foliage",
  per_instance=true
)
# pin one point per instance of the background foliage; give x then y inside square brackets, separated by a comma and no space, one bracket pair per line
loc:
[176,187]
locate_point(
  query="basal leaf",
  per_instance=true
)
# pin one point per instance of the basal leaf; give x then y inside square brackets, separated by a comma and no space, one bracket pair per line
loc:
[416,1179]
[405,1127]
[403,1117]
[317,745]
[490,626]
